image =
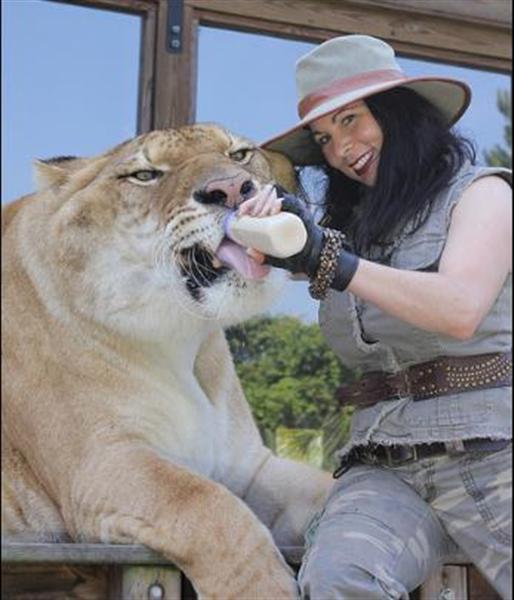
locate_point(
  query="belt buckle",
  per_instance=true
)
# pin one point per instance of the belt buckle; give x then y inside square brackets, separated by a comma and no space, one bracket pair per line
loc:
[455,448]
[399,384]
[409,454]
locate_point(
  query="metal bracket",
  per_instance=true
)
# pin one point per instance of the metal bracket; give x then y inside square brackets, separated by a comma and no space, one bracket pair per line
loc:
[175,26]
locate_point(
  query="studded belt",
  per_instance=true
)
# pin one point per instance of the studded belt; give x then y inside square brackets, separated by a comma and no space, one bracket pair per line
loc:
[441,376]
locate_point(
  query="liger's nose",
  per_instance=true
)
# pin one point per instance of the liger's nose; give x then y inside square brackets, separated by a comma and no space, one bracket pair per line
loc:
[228,191]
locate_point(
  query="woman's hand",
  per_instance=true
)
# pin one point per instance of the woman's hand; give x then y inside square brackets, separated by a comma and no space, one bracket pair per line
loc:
[265,203]
[308,259]
[270,201]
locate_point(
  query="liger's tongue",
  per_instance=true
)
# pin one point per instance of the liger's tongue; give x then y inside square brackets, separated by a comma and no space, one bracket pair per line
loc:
[235,256]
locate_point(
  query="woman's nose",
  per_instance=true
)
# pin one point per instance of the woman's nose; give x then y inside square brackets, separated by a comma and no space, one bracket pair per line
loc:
[343,147]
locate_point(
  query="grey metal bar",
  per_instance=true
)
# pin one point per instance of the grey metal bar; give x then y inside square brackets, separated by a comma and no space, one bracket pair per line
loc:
[79,553]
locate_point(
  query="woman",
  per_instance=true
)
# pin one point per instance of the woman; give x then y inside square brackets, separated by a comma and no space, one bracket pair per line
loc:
[412,266]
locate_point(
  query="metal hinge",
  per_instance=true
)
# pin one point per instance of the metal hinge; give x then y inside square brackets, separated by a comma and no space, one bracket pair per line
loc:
[175,26]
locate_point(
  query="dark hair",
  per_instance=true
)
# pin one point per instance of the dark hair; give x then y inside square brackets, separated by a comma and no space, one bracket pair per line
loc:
[419,157]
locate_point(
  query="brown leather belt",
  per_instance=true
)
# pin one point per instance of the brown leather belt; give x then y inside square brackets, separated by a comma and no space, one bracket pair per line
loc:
[439,377]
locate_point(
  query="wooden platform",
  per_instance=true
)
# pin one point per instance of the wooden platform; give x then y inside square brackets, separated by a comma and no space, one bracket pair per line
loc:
[36,571]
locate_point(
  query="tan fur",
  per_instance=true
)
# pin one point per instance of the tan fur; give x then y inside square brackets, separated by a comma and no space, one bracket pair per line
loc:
[123,418]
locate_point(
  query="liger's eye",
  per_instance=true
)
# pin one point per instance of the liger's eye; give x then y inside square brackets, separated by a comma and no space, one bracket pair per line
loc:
[145,175]
[142,175]
[242,154]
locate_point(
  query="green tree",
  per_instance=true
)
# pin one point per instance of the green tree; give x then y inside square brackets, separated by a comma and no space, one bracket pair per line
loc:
[290,377]
[500,156]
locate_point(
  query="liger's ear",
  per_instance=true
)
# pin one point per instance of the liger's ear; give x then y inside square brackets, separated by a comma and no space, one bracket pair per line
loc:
[55,171]
[283,171]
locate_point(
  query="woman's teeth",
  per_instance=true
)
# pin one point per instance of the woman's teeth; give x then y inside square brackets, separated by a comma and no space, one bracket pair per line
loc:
[362,162]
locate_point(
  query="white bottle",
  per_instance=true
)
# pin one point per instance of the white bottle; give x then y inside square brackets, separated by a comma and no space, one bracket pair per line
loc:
[279,235]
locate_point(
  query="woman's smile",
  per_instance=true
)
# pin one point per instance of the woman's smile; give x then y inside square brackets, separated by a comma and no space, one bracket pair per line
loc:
[363,164]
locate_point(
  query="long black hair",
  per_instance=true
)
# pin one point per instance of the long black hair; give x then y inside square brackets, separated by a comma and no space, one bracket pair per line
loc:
[420,155]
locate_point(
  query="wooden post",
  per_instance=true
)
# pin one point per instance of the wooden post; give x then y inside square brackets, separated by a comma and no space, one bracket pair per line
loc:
[448,583]
[150,583]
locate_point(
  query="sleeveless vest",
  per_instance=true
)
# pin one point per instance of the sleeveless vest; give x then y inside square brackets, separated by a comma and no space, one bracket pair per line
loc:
[367,339]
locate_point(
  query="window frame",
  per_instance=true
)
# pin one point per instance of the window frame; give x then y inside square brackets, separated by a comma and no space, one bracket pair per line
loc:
[467,34]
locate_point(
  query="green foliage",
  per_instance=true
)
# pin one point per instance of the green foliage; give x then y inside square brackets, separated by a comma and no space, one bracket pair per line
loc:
[300,444]
[500,156]
[290,376]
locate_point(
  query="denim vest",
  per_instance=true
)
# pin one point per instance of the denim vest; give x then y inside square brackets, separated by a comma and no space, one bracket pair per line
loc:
[367,339]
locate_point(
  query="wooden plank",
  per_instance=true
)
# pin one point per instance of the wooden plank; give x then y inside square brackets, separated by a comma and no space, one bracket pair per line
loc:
[497,12]
[297,32]
[145,105]
[175,74]
[449,582]
[418,35]
[479,588]
[153,583]
[54,582]
[135,6]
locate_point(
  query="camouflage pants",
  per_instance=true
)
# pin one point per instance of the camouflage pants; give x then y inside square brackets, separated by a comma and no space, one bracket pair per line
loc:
[384,530]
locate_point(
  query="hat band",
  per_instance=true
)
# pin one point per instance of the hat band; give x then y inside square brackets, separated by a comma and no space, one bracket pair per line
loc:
[346,85]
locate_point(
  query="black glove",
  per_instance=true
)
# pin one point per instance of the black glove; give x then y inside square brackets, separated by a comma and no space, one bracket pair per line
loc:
[308,259]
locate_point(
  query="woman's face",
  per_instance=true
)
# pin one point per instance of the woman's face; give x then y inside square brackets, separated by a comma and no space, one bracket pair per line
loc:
[351,141]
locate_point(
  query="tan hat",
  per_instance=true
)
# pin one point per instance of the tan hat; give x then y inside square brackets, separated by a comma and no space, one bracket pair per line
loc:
[350,68]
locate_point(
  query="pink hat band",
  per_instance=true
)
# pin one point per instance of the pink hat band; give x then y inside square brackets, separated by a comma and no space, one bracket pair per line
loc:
[347,85]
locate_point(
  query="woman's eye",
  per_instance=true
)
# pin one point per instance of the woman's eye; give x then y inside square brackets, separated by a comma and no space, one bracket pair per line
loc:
[322,140]
[347,119]
[241,155]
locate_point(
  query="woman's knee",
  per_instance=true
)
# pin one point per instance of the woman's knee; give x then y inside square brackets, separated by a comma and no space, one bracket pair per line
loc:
[348,582]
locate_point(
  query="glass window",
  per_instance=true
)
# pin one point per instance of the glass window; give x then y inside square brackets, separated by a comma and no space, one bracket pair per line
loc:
[70,81]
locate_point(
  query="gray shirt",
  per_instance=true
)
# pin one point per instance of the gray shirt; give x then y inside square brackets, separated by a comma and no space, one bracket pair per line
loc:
[368,339]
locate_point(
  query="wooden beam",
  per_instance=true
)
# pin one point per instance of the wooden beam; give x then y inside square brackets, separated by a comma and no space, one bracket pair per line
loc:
[494,12]
[131,6]
[146,88]
[175,74]
[482,45]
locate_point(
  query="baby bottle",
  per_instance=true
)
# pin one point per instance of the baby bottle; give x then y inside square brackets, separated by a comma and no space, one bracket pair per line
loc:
[279,235]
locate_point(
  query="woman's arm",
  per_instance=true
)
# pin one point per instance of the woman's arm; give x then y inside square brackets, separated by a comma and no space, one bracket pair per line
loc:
[472,269]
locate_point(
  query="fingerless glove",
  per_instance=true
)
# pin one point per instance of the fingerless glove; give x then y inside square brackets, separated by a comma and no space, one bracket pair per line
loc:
[325,258]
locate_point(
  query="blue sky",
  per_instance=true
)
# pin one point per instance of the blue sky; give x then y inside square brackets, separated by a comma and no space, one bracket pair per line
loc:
[69,81]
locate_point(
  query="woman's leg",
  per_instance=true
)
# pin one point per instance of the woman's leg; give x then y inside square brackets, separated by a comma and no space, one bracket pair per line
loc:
[478,513]
[376,539]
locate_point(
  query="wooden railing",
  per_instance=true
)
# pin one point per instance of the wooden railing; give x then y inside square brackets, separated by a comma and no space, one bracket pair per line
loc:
[134,572]
[129,572]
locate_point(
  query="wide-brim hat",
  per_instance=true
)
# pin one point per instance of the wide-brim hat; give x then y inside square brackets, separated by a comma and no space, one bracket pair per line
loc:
[350,68]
